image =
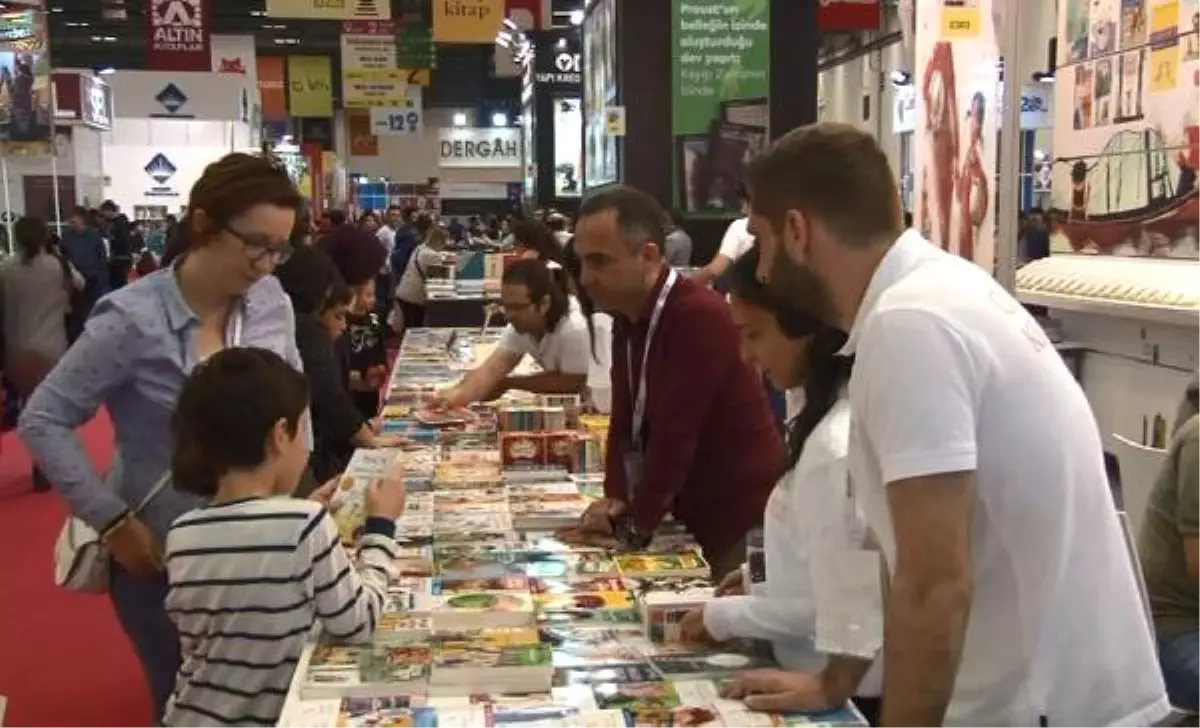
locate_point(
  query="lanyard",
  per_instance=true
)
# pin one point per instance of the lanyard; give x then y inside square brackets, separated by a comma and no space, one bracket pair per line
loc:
[234,339]
[639,394]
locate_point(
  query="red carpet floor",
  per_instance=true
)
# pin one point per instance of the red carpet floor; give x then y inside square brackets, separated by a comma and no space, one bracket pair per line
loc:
[63,658]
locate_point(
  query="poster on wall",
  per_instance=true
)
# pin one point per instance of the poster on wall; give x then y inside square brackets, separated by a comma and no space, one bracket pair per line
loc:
[467,21]
[720,64]
[1125,128]
[600,166]
[957,81]
[310,86]
[568,152]
[326,10]
[26,118]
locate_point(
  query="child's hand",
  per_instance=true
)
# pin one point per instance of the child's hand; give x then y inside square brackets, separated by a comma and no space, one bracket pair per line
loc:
[375,376]
[386,496]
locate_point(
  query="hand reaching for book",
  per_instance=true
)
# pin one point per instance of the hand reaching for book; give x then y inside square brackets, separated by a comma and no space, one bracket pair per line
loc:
[386,496]
[780,691]
[692,630]
[599,516]
[133,546]
[733,584]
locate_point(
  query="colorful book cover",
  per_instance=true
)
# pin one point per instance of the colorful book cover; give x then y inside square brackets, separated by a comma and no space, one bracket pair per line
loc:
[581,586]
[634,672]
[645,696]
[396,664]
[584,601]
[649,565]
[445,586]
[377,712]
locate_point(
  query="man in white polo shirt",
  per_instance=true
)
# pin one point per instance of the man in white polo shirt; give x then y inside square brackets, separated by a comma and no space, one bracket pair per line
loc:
[736,242]
[974,456]
[543,322]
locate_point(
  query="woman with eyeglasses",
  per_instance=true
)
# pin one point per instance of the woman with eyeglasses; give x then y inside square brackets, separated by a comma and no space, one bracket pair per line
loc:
[132,358]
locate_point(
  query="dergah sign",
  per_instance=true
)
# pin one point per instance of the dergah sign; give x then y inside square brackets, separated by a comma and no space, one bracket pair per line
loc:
[493,148]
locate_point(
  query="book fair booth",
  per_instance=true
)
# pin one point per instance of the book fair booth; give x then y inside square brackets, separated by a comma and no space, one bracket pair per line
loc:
[552,120]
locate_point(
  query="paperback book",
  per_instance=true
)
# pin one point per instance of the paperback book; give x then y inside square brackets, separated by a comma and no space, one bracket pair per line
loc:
[491,660]
[649,565]
[483,610]
[338,671]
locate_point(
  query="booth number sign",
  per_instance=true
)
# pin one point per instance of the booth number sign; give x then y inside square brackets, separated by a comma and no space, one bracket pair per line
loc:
[395,121]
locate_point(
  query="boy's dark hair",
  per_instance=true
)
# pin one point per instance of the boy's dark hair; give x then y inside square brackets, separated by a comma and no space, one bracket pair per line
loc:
[306,276]
[225,413]
[828,373]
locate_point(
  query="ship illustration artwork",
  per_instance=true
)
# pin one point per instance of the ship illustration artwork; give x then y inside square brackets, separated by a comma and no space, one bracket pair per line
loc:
[1139,184]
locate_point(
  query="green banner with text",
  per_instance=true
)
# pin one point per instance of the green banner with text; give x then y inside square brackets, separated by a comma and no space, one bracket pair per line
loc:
[719,77]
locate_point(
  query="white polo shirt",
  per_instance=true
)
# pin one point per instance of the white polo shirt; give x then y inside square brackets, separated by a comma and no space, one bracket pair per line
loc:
[566,349]
[738,240]
[952,374]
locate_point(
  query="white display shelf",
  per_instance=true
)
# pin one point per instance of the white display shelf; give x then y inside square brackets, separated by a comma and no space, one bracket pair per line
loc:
[1165,291]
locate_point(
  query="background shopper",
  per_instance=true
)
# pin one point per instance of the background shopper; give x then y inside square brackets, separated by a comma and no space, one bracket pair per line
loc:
[36,289]
[133,356]
[411,294]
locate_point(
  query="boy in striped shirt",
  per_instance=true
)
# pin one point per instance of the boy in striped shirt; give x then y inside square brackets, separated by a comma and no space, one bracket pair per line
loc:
[252,572]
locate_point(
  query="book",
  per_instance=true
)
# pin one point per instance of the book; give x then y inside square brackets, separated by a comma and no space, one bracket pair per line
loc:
[633,672]
[339,671]
[500,660]
[663,604]
[483,609]
[688,563]
[636,697]
[348,507]
[446,586]
[708,664]
[398,710]
[368,464]
[559,601]
[416,717]
[592,648]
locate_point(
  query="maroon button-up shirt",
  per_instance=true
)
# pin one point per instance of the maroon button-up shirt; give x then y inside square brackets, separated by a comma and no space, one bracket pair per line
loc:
[712,451]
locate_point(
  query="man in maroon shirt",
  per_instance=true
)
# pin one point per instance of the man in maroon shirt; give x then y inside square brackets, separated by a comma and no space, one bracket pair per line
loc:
[699,440]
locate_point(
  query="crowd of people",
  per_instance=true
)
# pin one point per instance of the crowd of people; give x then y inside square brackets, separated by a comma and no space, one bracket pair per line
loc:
[940,543]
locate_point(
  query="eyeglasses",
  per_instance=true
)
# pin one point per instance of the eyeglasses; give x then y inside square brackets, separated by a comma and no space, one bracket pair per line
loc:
[257,248]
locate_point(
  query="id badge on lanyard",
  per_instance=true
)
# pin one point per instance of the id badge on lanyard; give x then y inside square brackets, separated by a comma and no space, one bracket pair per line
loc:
[634,459]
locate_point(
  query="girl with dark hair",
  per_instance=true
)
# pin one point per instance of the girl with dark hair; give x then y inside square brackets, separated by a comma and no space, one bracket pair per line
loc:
[358,255]
[534,240]
[543,323]
[36,288]
[132,358]
[811,513]
[338,424]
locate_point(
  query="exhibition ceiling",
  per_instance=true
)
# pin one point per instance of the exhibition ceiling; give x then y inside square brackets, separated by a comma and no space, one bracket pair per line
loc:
[111,33]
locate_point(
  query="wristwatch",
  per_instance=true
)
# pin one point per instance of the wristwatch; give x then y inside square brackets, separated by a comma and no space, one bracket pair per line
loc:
[628,534]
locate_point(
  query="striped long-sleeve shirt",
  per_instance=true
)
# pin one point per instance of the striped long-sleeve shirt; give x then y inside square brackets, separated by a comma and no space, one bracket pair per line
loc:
[248,580]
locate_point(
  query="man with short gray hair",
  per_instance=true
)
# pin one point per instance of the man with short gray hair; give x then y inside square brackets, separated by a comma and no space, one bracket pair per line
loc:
[692,433]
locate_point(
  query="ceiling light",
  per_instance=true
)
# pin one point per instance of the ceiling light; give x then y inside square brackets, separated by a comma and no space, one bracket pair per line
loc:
[106,71]
[576,17]
[510,25]
[499,119]
[459,119]
[258,13]
[1043,76]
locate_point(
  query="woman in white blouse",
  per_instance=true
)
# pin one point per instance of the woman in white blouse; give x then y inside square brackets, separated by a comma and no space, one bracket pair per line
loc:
[811,512]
